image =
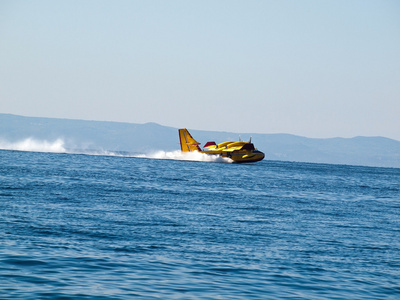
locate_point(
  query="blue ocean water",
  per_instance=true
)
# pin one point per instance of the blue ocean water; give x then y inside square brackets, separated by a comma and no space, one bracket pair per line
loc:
[108,227]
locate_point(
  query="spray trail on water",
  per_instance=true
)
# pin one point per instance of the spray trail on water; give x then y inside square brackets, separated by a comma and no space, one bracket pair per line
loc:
[191,156]
[33,145]
[58,146]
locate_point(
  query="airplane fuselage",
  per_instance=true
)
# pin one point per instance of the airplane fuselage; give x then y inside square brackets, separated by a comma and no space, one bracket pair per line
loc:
[236,151]
[239,152]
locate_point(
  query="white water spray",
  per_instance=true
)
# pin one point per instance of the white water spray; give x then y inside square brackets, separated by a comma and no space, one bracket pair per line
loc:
[190,156]
[33,145]
[58,146]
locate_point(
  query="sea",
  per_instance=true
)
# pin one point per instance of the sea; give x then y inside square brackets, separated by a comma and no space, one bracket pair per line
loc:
[118,226]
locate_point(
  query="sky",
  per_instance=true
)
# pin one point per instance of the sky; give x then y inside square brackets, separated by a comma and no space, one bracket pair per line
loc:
[318,69]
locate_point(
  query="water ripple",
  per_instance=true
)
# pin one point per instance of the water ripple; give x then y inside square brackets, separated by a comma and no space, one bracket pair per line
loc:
[96,227]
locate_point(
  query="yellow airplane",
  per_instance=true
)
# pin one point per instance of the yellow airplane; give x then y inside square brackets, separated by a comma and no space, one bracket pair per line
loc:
[239,152]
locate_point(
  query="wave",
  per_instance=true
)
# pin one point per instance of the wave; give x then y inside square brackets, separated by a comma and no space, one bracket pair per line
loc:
[58,146]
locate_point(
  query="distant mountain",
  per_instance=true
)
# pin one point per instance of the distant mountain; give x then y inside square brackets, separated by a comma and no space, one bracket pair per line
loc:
[144,138]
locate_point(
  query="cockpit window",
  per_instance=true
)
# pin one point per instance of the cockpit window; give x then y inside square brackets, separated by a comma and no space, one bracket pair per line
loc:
[248,146]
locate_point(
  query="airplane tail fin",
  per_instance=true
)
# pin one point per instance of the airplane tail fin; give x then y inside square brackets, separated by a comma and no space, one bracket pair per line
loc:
[188,143]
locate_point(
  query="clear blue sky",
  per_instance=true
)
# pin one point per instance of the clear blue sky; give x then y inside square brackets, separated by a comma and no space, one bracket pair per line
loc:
[311,68]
